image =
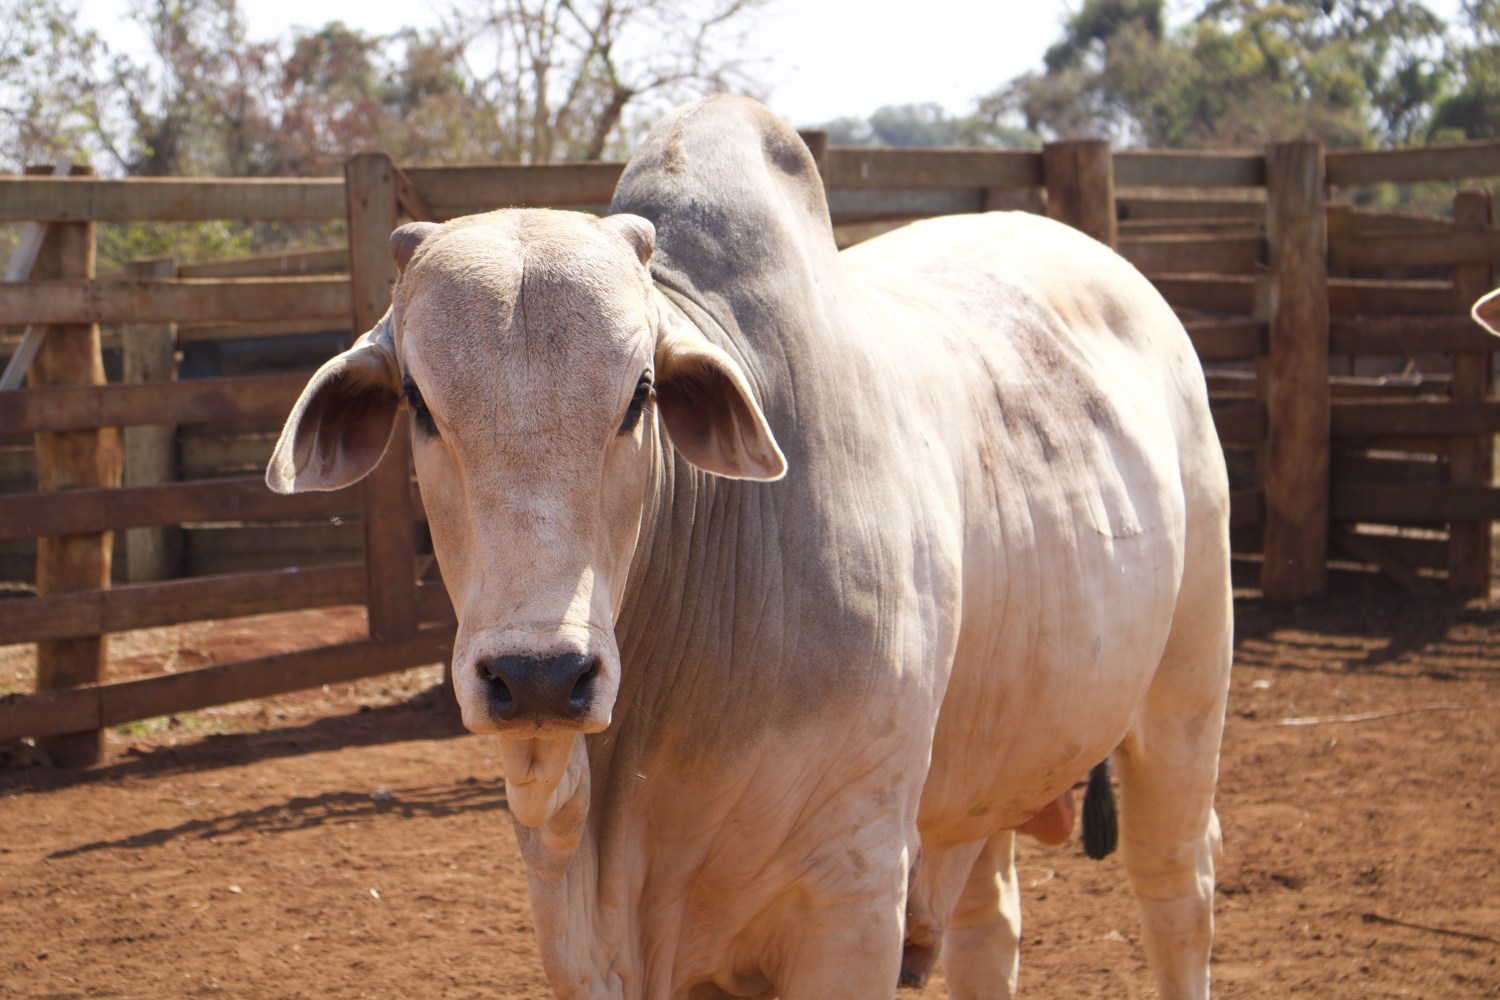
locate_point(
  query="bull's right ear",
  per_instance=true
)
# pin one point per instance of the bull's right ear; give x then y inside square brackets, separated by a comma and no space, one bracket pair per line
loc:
[1487,311]
[342,423]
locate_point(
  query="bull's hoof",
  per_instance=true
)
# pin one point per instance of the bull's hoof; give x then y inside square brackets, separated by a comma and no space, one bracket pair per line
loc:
[916,966]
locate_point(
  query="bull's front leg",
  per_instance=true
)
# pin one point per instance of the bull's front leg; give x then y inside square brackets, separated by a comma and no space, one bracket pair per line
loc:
[838,931]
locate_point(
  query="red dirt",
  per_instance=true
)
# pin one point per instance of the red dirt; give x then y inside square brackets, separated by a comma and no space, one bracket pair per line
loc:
[366,853]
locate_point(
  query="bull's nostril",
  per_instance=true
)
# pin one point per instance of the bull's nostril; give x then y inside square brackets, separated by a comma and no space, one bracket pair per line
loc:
[499,690]
[583,687]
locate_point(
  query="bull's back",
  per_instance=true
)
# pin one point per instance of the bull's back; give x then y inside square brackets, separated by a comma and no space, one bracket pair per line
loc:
[1079,414]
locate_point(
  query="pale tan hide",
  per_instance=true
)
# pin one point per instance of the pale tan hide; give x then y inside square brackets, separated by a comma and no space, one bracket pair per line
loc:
[1487,311]
[999,553]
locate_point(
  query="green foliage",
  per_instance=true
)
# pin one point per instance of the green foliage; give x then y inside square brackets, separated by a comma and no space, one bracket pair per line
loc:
[1246,72]
[1472,109]
[47,63]
[925,125]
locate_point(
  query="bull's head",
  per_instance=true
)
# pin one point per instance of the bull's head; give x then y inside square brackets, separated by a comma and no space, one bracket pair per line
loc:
[536,358]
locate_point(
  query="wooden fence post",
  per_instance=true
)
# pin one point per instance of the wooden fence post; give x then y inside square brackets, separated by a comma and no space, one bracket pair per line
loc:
[70,355]
[1080,179]
[148,353]
[372,189]
[816,141]
[1294,375]
[1471,459]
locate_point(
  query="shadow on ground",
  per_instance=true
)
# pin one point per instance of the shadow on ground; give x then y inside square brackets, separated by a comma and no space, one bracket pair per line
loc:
[428,716]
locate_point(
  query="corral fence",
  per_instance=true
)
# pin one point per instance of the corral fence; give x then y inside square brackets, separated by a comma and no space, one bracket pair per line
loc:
[1352,392]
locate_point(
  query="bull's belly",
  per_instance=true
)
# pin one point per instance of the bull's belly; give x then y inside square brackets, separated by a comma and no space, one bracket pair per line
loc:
[1046,681]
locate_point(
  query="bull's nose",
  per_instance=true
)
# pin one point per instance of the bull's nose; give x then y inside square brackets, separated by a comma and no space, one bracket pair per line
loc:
[540,688]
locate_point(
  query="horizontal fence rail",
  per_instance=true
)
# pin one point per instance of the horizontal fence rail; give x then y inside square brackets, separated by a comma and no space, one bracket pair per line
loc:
[238,300]
[74,199]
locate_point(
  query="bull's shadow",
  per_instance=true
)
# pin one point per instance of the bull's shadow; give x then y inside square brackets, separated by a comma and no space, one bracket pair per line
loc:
[305,812]
[429,715]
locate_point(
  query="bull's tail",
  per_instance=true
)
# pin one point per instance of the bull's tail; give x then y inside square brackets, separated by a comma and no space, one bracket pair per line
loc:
[1101,826]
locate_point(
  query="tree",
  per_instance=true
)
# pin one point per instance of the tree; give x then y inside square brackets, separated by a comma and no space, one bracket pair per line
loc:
[924,125]
[46,82]
[563,72]
[1240,73]
[1472,109]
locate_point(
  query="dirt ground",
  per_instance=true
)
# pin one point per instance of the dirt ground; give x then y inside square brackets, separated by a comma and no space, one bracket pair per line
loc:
[353,842]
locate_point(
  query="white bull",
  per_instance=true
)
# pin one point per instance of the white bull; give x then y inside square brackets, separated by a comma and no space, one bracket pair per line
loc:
[794,582]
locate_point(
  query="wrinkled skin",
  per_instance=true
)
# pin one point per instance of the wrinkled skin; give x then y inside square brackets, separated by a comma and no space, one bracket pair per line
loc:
[905,540]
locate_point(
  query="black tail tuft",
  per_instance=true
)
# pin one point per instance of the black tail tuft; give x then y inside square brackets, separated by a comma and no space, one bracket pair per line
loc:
[1101,828]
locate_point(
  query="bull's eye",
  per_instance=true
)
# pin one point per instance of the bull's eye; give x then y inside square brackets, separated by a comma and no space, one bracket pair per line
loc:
[419,410]
[644,389]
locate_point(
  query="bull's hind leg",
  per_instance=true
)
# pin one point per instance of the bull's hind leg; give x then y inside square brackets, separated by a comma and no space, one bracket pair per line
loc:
[1168,766]
[981,948]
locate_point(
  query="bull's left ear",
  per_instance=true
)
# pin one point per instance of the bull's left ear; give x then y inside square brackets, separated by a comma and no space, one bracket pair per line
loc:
[709,411]
[1487,311]
[342,422]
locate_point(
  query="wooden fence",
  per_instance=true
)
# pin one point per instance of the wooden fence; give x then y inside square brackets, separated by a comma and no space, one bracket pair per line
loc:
[1289,300]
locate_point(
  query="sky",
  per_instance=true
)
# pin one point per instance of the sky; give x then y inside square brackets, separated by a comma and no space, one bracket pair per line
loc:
[822,59]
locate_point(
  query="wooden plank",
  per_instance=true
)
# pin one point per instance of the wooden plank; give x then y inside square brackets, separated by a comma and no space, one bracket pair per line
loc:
[83,511]
[1387,468]
[1182,168]
[1226,340]
[1436,162]
[149,605]
[484,188]
[1370,222]
[1294,375]
[1361,334]
[1381,297]
[1213,293]
[1201,254]
[333,261]
[1411,504]
[148,355]
[71,199]
[193,401]
[1414,249]
[287,540]
[853,168]
[1389,386]
[410,201]
[207,456]
[389,515]
[862,205]
[1471,462]
[127,701]
[816,141]
[185,300]
[79,558]
[191,334]
[1374,551]
[1246,508]
[1079,177]
[1226,226]
[1240,423]
[1178,208]
[1359,418]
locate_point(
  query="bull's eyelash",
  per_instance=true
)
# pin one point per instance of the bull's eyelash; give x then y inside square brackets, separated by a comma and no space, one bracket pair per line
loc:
[419,411]
[645,388]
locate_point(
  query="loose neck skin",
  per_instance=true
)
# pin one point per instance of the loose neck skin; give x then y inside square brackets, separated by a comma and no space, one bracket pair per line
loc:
[583,878]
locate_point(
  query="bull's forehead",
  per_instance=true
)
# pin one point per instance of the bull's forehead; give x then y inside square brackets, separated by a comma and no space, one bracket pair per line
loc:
[535,310]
